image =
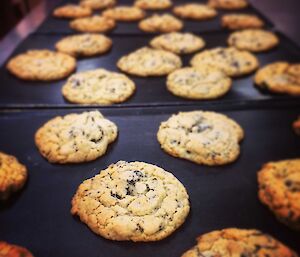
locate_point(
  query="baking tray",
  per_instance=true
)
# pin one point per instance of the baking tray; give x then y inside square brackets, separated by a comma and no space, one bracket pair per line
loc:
[53,25]
[150,91]
[226,196]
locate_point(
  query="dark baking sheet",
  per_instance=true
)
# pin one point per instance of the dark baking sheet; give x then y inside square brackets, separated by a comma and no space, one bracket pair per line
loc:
[150,91]
[39,217]
[56,26]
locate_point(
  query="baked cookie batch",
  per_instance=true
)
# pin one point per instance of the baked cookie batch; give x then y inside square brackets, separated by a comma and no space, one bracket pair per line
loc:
[138,201]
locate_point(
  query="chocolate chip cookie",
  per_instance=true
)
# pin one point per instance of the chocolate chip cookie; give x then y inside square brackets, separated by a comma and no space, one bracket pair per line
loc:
[237,21]
[153,4]
[93,24]
[195,11]
[124,13]
[72,11]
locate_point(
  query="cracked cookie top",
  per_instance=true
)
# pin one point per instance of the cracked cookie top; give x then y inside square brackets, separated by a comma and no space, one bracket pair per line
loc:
[75,137]
[279,189]
[233,242]
[10,250]
[203,137]
[132,201]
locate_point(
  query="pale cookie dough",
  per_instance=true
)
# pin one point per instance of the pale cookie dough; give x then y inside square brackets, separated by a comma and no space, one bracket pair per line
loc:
[133,201]
[9,250]
[228,4]
[124,13]
[202,137]
[72,11]
[149,62]
[97,4]
[153,4]
[161,23]
[178,43]
[234,242]
[202,83]
[241,21]
[98,87]
[279,189]
[84,45]
[13,175]
[232,61]
[93,24]
[42,65]
[195,11]
[280,77]
[75,138]
[254,40]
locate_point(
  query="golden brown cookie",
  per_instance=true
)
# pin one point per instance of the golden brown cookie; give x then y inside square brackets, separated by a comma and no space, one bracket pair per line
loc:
[234,242]
[13,175]
[97,4]
[72,11]
[153,4]
[84,45]
[279,189]
[43,65]
[9,250]
[241,21]
[93,24]
[228,4]
[195,11]
[124,13]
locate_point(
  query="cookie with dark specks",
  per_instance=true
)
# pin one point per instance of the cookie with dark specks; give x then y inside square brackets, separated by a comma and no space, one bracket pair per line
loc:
[10,250]
[93,24]
[133,201]
[237,21]
[153,4]
[279,189]
[75,138]
[124,13]
[72,11]
[228,4]
[202,137]
[195,11]
[234,242]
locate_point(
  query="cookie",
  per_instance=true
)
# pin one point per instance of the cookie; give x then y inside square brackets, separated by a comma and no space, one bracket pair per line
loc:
[42,65]
[13,175]
[97,4]
[296,126]
[124,13]
[9,250]
[133,201]
[75,138]
[254,40]
[228,4]
[195,11]
[153,4]
[202,83]
[84,45]
[93,24]
[232,61]
[178,43]
[72,11]
[279,189]
[202,137]
[234,242]
[241,21]
[280,77]
[161,23]
[98,87]
[146,62]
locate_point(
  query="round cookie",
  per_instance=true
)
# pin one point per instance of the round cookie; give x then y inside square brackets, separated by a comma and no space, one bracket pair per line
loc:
[202,137]
[195,11]
[279,189]
[98,87]
[232,61]
[161,23]
[296,126]
[133,201]
[42,65]
[13,175]
[199,83]
[72,11]
[93,24]
[153,4]
[228,4]
[146,62]
[97,4]
[254,40]
[234,242]
[178,43]
[241,21]
[75,138]
[124,13]
[280,77]
[9,250]
[84,45]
